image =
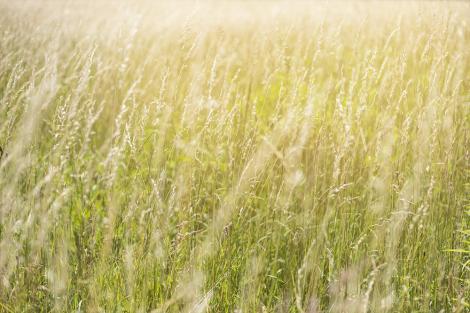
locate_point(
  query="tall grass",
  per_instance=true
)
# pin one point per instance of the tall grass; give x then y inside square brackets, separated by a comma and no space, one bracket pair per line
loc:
[234,157]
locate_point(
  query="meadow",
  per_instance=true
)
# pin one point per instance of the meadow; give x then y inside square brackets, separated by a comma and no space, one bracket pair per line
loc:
[235,156]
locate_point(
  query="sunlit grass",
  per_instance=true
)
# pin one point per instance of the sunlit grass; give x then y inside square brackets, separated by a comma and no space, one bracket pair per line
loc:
[234,157]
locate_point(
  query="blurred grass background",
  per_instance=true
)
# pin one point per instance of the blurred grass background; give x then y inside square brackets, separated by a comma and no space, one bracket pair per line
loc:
[234,157]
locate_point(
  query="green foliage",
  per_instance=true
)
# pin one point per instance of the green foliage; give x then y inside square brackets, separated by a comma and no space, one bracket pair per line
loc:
[235,157]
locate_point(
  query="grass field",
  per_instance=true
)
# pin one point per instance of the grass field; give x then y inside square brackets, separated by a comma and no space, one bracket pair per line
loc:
[234,156]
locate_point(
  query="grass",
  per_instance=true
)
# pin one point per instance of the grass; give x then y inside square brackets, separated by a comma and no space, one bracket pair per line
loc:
[234,157]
